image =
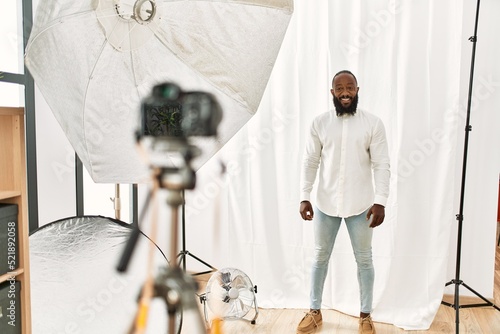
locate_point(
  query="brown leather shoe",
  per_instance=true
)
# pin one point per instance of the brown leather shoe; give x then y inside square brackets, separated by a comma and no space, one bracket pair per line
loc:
[311,321]
[366,326]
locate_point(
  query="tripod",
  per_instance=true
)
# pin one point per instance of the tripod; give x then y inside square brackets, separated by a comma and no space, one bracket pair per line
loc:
[183,253]
[460,217]
[171,284]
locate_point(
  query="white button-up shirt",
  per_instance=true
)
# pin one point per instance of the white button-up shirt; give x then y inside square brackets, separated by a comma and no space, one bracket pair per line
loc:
[352,155]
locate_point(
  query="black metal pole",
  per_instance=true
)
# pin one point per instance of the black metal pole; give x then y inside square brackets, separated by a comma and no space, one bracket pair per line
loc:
[183,253]
[29,106]
[460,216]
[183,230]
[134,204]
[79,187]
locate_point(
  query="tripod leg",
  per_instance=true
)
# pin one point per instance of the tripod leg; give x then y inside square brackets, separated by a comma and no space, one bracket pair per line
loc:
[182,259]
[134,236]
[486,301]
[457,308]
[171,323]
[203,262]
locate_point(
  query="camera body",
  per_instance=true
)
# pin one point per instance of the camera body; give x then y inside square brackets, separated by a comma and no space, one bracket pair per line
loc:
[171,113]
[168,117]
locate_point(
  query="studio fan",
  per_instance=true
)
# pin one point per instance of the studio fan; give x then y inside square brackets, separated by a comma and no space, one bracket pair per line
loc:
[230,294]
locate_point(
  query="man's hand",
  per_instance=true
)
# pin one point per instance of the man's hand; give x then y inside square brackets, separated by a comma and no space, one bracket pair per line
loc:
[306,210]
[377,212]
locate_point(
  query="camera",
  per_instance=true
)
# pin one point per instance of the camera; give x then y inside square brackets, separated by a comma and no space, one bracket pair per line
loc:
[169,116]
[171,113]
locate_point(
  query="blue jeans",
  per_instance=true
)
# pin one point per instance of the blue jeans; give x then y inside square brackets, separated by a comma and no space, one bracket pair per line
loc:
[325,231]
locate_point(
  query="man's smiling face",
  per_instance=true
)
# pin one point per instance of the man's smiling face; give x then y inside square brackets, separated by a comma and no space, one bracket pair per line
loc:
[345,93]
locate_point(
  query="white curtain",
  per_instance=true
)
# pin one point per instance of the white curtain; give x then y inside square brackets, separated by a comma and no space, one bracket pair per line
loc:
[412,61]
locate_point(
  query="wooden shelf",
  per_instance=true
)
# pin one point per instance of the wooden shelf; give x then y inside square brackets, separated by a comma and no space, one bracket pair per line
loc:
[6,194]
[13,191]
[10,275]
[11,111]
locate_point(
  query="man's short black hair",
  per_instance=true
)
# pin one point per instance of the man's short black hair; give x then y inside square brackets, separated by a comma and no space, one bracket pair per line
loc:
[342,72]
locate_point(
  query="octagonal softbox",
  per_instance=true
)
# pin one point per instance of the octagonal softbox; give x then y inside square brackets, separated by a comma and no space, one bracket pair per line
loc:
[95,61]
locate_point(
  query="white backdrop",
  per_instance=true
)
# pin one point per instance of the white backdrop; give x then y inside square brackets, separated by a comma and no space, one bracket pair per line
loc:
[412,60]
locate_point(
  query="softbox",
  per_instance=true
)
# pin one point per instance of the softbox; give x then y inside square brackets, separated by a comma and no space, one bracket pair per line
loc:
[94,61]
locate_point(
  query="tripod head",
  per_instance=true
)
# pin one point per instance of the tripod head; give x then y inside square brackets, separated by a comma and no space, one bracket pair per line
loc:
[172,163]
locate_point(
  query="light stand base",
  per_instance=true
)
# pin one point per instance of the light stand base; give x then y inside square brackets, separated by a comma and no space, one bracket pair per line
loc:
[182,260]
[456,305]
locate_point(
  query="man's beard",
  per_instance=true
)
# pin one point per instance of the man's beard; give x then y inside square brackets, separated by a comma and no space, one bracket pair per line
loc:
[341,110]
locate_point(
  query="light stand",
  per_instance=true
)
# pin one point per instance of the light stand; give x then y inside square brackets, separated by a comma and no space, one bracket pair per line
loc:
[183,253]
[457,281]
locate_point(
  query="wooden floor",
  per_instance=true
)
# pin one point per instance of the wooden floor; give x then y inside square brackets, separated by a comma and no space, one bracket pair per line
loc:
[275,321]
[480,320]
